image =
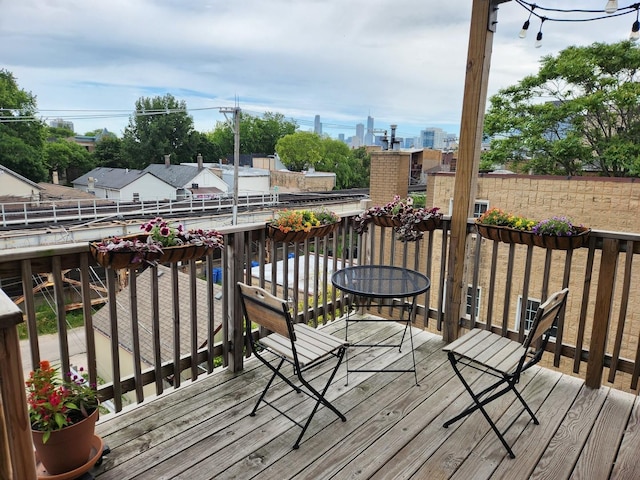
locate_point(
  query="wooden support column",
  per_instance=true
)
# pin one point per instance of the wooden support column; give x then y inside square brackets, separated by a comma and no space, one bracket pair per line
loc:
[483,21]
[602,312]
[17,461]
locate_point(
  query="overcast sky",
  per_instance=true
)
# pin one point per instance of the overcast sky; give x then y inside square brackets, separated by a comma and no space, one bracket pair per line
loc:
[400,61]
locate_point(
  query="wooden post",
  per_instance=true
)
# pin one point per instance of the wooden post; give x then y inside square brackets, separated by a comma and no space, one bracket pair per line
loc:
[602,312]
[483,21]
[16,447]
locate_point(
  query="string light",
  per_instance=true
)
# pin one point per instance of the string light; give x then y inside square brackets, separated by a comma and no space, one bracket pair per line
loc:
[611,10]
[525,25]
[538,43]
[611,7]
[635,29]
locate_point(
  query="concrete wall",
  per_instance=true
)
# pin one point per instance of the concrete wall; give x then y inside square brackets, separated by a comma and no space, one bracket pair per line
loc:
[303,182]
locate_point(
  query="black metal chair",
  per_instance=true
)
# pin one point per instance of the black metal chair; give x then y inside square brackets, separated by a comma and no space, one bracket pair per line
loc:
[504,359]
[298,344]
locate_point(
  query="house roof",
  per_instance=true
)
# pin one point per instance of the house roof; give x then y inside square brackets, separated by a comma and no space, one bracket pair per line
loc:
[102,323]
[115,178]
[20,177]
[176,175]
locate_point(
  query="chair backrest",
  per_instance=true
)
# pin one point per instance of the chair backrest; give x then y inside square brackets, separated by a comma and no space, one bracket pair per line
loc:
[266,310]
[546,318]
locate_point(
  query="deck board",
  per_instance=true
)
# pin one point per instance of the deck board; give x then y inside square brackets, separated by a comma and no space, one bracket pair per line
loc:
[393,429]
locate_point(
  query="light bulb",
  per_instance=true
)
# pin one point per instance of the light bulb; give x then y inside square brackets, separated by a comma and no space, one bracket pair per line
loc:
[525,27]
[538,43]
[611,7]
[635,31]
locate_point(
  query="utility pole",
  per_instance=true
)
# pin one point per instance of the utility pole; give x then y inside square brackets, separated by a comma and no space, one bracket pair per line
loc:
[236,155]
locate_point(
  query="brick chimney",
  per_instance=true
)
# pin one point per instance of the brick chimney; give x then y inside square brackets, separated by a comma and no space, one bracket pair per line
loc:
[167,160]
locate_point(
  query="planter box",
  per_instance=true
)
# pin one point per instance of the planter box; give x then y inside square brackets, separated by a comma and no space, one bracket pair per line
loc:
[553,242]
[299,236]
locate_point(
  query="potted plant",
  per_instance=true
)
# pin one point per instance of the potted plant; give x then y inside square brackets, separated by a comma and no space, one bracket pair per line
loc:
[409,217]
[299,225]
[555,233]
[159,242]
[63,412]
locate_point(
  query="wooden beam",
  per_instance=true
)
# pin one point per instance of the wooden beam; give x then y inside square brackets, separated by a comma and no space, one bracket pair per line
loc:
[483,21]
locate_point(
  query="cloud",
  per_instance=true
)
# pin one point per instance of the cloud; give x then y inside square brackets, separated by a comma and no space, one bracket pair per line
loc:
[402,61]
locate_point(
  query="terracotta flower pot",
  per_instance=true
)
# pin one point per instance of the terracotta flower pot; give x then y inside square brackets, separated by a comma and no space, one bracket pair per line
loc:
[299,236]
[68,448]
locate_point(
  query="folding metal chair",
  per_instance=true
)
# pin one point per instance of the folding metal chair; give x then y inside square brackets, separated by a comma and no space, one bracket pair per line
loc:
[504,359]
[298,344]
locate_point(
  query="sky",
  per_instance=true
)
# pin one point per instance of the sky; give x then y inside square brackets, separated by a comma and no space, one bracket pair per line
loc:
[400,61]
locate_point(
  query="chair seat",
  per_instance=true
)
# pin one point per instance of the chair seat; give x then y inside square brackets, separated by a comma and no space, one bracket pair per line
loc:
[311,344]
[488,349]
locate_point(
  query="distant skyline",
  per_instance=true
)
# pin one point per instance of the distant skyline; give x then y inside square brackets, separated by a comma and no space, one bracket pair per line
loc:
[399,61]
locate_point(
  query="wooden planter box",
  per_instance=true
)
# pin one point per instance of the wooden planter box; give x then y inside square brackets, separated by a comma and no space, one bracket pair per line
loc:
[553,242]
[299,236]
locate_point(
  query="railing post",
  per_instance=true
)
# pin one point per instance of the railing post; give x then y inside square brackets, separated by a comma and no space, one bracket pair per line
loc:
[16,447]
[602,312]
[234,317]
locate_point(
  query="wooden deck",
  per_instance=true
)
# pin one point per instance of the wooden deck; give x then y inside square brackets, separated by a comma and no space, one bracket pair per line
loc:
[393,428]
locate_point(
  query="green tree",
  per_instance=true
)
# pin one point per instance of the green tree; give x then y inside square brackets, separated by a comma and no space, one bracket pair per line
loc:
[300,150]
[159,126]
[108,153]
[68,158]
[21,134]
[581,110]
[257,134]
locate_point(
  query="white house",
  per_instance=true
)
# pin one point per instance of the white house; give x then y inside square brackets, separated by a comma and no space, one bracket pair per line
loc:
[13,184]
[125,184]
[251,181]
[190,181]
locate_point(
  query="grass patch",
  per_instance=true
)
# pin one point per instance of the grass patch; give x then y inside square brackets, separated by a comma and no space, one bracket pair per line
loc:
[47,323]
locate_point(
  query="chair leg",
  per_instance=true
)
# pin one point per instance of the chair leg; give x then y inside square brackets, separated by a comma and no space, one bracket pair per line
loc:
[319,396]
[264,392]
[479,405]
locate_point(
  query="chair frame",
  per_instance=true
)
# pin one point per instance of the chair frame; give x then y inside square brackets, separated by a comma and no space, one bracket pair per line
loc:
[298,345]
[471,350]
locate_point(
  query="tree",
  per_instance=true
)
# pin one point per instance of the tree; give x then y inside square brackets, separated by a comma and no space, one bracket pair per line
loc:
[257,134]
[300,150]
[108,153]
[159,126]
[581,111]
[67,157]
[21,134]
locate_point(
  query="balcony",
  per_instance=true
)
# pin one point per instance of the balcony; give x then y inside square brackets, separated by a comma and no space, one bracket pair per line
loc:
[180,403]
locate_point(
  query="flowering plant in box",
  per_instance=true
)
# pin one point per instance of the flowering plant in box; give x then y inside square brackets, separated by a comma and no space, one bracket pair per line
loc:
[500,218]
[303,220]
[407,214]
[559,226]
[57,402]
[157,236]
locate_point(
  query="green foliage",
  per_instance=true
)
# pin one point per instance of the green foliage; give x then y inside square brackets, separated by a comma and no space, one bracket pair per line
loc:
[64,154]
[582,110]
[303,150]
[257,134]
[21,142]
[108,153]
[150,134]
[46,322]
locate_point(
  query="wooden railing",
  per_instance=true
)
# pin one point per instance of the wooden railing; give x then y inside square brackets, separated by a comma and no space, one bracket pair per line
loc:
[136,355]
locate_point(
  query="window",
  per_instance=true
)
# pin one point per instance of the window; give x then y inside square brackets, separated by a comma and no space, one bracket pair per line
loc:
[529,315]
[479,207]
[468,300]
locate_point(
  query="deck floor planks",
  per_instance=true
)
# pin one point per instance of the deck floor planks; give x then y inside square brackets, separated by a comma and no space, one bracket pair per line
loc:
[488,454]
[566,445]
[280,461]
[603,443]
[627,464]
[386,414]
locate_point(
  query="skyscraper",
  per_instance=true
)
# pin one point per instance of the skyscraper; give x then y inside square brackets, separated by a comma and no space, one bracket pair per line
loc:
[368,137]
[317,126]
[433,138]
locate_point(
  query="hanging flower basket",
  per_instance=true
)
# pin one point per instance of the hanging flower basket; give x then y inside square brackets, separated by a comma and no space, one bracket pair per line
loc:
[555,242]
[161,243]
[300,236]
[300,225]
[386,221]
[557,233]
